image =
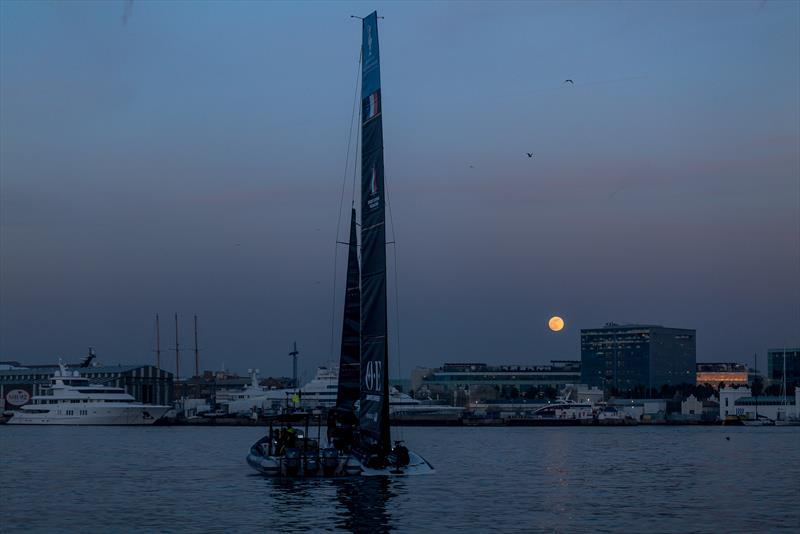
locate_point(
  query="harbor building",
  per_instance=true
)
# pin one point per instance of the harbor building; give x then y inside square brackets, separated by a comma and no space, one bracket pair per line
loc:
[637,357]
[146,383]
[464,383]
[775,367]
[730,374]
[693,409]
[739,403]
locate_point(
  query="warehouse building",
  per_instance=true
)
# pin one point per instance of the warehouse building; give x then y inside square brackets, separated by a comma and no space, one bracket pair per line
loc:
[146,383]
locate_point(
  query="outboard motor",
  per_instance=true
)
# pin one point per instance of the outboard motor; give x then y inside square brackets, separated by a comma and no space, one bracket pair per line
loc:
[311,464]
[291,462]
[330,461]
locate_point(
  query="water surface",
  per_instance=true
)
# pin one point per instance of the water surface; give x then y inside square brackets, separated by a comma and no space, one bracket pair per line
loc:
[184,479]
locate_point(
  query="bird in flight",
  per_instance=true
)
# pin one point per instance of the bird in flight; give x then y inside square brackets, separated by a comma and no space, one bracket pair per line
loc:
[472,166]
[530,155]
[569,81]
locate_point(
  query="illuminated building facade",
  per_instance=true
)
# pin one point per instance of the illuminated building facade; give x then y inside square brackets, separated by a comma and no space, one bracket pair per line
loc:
[731,374]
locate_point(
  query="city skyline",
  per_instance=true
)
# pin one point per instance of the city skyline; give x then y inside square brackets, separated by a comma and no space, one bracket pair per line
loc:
[191,160]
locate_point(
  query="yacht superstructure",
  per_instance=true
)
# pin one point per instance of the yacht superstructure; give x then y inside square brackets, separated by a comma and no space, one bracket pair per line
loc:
[71,400]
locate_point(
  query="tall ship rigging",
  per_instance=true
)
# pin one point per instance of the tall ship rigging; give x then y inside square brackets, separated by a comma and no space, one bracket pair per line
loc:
[358,433]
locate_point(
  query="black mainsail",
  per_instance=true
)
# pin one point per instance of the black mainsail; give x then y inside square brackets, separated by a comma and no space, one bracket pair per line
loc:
[350,358]
[374,404]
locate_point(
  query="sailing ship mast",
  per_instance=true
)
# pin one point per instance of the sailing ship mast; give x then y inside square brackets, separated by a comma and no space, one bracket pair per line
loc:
[350,357]
[374,402]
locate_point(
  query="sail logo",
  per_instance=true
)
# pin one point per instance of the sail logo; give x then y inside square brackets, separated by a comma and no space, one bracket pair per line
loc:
[372,376]
[373,183]
[374,199]
[372,105]
[369,40]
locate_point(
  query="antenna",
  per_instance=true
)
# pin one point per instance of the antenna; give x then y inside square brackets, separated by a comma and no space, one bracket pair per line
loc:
[196,350]
[177,351]
[294,354]
[158,344]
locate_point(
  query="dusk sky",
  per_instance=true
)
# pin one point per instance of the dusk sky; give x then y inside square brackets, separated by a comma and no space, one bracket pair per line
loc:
[191,160]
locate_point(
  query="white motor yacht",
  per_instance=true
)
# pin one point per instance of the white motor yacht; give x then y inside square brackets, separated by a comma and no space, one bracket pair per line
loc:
[72,400]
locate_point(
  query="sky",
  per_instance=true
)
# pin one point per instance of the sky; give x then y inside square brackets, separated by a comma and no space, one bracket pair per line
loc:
[190,158]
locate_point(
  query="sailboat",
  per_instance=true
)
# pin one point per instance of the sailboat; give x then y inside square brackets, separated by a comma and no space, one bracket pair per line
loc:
[359,436]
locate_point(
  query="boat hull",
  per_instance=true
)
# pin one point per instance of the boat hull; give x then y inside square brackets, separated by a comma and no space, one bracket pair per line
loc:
[134,415]
[346,466]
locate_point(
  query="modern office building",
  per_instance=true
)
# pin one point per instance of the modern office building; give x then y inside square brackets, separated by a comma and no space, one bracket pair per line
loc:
[481,381]
[775,367]
[637,357]
[714,374]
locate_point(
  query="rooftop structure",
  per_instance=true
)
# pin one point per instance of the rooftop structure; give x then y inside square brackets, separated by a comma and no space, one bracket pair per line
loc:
[715,373]
[479,381]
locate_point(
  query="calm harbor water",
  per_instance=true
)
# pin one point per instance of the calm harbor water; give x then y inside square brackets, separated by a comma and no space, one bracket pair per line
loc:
[183,479]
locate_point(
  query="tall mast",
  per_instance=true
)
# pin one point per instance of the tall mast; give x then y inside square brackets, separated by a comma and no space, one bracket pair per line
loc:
[158,344]
[755,377]
[294,354]
[374,404]
[784,382]
[196,350]
[177,351]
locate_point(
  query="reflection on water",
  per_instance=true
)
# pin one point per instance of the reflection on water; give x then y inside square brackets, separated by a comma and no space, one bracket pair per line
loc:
[364,500]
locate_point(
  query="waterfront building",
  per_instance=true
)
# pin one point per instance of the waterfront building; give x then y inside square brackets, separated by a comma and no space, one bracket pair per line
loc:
[641,409]
[637,357]
[727,400]
[775,367]
[731,374]
[693,409]
[464,383]
[739,402]
[146,383]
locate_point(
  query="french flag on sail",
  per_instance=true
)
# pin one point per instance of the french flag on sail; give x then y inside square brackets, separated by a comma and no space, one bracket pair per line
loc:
[372,106]
[373,183]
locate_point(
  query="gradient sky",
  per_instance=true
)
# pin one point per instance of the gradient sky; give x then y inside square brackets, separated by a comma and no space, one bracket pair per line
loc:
[135,157]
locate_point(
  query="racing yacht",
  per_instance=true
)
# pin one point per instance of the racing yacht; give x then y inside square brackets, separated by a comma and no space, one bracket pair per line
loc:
[358,433]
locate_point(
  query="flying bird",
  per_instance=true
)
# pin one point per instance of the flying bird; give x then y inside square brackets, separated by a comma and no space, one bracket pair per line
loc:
[472,166]
[569,81]
[127,10]
[530,155]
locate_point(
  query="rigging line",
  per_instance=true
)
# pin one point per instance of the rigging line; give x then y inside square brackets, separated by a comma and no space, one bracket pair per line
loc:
[356,159]
[341,202]
[394,258]
[393,242]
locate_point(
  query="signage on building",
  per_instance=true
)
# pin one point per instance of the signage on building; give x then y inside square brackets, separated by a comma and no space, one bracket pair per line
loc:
[17,395]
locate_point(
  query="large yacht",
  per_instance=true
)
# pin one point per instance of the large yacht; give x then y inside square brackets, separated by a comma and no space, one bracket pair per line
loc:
[71,400]
[320,392]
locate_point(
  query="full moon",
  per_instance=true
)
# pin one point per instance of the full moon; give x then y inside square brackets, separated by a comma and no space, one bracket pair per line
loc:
[556,323]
